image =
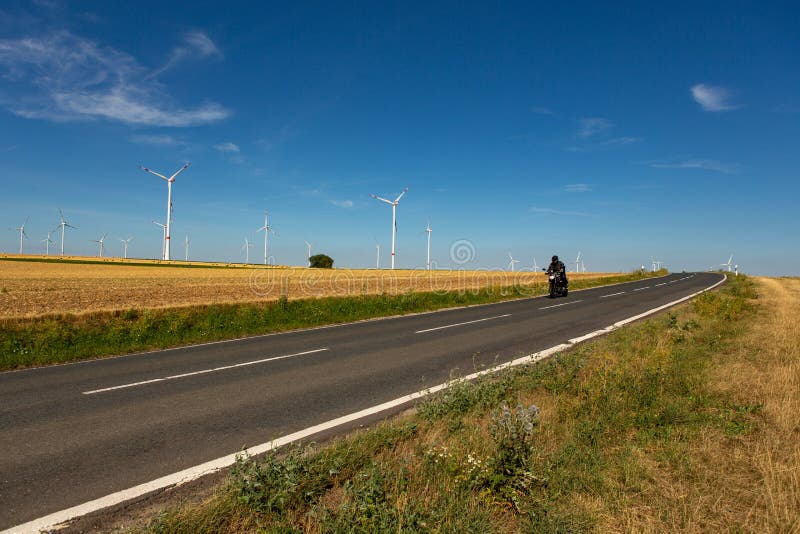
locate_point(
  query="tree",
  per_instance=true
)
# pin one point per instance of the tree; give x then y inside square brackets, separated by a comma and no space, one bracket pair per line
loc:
[321,261]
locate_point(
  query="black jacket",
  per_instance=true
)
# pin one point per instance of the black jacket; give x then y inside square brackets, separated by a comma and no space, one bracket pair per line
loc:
[557,267]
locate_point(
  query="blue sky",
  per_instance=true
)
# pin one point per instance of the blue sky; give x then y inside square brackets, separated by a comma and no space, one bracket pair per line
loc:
[624,132]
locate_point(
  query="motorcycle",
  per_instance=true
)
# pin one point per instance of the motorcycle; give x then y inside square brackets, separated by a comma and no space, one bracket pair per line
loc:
[558,285]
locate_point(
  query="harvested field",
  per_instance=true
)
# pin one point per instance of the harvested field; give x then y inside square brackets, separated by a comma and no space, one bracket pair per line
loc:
[31,289]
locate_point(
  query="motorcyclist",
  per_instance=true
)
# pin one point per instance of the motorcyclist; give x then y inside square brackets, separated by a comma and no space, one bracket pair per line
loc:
[557,266]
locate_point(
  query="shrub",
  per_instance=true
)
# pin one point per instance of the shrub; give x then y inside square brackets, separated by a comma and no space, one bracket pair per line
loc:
[320,261]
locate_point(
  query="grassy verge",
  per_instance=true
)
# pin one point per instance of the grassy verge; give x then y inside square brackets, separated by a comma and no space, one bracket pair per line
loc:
[63,338]
[687,422]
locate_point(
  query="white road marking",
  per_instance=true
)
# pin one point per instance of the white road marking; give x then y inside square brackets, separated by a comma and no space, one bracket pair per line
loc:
[459,324]
[642,288]
[661,284]
[557,305]
[204,371]
[57,519]
[612,295]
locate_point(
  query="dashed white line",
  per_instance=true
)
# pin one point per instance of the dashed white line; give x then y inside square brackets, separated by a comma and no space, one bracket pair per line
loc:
[557,305]
[460,324]
[612,295]
[642,288]
[181,477]
[661,284]
[204,371]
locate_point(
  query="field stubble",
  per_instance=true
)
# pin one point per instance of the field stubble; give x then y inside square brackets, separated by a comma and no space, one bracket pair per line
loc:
[34,289]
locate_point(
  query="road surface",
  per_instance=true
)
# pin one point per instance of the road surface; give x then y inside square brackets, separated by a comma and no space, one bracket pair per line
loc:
[74,433]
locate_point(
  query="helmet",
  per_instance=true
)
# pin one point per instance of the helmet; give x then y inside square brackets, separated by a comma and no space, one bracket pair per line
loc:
[555,258]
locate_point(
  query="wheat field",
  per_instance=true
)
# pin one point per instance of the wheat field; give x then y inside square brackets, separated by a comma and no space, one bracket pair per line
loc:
[30,289]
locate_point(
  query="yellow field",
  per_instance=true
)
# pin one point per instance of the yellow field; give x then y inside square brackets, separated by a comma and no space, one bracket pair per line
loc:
[29,289]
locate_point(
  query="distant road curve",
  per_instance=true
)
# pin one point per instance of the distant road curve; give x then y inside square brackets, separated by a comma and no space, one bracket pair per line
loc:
[84,436]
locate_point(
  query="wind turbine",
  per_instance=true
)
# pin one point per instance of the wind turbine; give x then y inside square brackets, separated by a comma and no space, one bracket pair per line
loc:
[728,265]
[266,229]
[186,243]
[22,233]
[378,259]
[47,242]
[63,224]
[308,255]
[393,204]
[246,248]
[512,262]
[163,238]
[578,263]
[535,267]
[101,241]
[125,243]
[169,181]
[428,230]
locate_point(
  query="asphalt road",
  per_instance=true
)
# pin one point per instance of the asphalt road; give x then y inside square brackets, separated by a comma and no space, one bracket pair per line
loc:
[76,432]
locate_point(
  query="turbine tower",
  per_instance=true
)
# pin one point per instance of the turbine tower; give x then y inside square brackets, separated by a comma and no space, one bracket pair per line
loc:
[308,252]
[63,224]
[101,242]
[169,181]
[393,204]
[186,244]
[728,265]
[578,263]
[22,233]
[378,252]
[428,230]
[247,246]
[535,267]
[125,243]
[163,237]
[512,262]
[47,242]
[266,229]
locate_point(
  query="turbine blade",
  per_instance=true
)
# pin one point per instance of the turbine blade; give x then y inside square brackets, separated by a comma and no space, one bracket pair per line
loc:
[381,199]
[401,195]
[172,178]
[145,169]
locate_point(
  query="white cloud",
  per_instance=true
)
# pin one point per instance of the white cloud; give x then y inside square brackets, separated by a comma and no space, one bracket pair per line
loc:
[608,144]
[593,126]
[342,203]
[705,164]
[712,98]
[63,77]
[228,147]
[197,45]
[158,140]
[577,188]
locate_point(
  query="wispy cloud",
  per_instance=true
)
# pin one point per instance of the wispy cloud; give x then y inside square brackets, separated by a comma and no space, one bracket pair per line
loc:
[608,144]
[197,45]
[158,140]
[552,211]
[712,98]
[577,188]
[704,164]
[63,77]
[592,126]
[540,110]
[343,203]
[228,147]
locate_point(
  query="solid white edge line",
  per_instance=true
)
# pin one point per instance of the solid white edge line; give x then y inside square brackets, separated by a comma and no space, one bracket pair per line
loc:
[558,305]
[460,324]
[612,295]
[60,518]
[202,372]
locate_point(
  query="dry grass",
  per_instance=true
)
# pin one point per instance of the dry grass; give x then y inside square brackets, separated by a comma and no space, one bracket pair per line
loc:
[749,481]
[35,289]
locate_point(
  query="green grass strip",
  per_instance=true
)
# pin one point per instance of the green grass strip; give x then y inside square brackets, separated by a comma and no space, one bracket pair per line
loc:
[68,337]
